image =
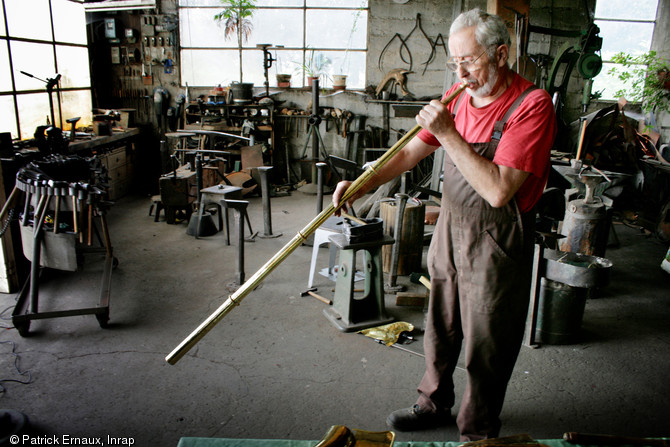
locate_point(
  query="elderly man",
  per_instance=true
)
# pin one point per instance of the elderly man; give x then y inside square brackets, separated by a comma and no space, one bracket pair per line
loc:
[497,136]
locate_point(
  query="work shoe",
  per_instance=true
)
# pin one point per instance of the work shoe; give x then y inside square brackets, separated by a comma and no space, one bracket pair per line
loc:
[415,418]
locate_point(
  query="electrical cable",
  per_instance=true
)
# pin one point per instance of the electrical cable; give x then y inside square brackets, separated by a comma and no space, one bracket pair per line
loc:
[18,370]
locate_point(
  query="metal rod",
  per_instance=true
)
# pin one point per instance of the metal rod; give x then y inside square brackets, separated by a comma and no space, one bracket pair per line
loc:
[204,151]
[253,282]
[320,166]
[213,132]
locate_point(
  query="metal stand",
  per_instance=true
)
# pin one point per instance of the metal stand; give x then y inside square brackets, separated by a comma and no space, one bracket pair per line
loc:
[240,207]
[267,212]
[314,135]
[350,313]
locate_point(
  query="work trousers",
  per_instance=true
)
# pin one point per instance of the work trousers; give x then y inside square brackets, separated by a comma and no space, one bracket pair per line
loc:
[480,262]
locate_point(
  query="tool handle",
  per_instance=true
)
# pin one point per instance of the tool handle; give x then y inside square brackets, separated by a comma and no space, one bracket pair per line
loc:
[320,298]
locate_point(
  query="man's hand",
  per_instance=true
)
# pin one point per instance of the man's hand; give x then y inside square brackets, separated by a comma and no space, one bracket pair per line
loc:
[436,118]
[340,189]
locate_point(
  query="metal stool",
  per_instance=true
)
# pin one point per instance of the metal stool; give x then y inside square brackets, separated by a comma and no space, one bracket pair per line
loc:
[349,313]
[213,196]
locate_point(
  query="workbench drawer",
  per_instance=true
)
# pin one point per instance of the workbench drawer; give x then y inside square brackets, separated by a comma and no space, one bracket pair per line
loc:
[115,159]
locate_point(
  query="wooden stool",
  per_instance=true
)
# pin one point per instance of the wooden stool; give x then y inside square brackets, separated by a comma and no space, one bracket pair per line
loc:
[349,313]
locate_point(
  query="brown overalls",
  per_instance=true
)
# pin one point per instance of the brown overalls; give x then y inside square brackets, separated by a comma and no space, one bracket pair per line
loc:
[480,263]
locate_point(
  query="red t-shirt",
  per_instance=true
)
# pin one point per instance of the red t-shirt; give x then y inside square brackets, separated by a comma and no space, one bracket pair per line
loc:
[527,138]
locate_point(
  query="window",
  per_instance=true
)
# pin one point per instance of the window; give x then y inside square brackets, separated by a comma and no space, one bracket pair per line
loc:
[623,29]
[41,43]
[333,31]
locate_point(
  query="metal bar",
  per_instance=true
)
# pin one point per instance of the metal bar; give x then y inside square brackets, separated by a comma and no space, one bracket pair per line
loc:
[253,282]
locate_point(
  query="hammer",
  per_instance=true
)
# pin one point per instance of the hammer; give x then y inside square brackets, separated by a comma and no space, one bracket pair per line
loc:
[311,291]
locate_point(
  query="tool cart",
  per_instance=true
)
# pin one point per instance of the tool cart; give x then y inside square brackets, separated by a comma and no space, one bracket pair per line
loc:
[62,203]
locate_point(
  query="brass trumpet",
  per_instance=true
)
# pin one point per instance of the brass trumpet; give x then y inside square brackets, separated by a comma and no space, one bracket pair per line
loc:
[249,285]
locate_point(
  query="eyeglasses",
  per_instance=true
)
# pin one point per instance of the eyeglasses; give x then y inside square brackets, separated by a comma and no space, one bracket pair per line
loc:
[468,65]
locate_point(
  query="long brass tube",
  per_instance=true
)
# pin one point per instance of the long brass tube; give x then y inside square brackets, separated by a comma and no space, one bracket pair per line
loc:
[250,284]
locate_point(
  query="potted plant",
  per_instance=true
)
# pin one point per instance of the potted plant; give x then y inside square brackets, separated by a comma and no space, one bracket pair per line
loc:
[236,18]
[315,66]
[649,77]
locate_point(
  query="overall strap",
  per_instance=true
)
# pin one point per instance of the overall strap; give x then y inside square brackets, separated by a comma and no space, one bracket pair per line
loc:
[499,126]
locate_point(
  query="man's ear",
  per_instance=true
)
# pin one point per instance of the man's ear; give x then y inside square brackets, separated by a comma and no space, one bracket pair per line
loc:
[502,53]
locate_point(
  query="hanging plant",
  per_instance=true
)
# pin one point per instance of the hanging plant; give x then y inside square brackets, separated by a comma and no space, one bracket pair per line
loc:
[236,20]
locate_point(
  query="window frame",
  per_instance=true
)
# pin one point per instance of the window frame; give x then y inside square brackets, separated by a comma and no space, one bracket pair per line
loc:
[605,77]
[15,94]
[278,48]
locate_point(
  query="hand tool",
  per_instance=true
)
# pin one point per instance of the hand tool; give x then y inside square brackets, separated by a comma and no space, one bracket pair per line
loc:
[297,241]
[311,291]
[595,439]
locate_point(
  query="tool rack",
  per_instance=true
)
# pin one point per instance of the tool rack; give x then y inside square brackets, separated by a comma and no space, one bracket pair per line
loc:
[59,219]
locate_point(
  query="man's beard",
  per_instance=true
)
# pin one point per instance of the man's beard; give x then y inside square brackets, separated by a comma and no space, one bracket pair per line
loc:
[486,89]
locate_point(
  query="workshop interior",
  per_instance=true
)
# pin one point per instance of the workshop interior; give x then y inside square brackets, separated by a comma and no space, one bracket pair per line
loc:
[163,160]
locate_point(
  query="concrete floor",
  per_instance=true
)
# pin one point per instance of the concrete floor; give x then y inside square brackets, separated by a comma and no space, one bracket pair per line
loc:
[275,367]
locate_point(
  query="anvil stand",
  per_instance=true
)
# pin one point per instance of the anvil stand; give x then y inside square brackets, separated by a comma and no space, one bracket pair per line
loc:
[351,313]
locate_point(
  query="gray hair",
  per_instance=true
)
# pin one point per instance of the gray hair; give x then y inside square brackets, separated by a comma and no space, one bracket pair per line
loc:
[490,29]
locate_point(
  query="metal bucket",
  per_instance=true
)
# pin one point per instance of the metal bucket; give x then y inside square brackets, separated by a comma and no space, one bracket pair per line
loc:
[560,313]
[242,92]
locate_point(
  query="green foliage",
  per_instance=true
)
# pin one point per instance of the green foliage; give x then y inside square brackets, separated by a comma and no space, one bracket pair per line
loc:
[315,65]
[236,18]
[648,76]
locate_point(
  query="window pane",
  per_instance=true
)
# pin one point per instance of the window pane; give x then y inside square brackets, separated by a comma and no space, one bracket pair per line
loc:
[202,68]
[7,117]
[5,77]
[277,26]
[252,61]
[33,112]
[3,31]
[31,22]
[338,3]
[633,38]
[199,29]
[77,104]
[610,84]
[351,31]
[288,62]
[73,66]
[35,59]
[69,22]
[621,9]
[350,63]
